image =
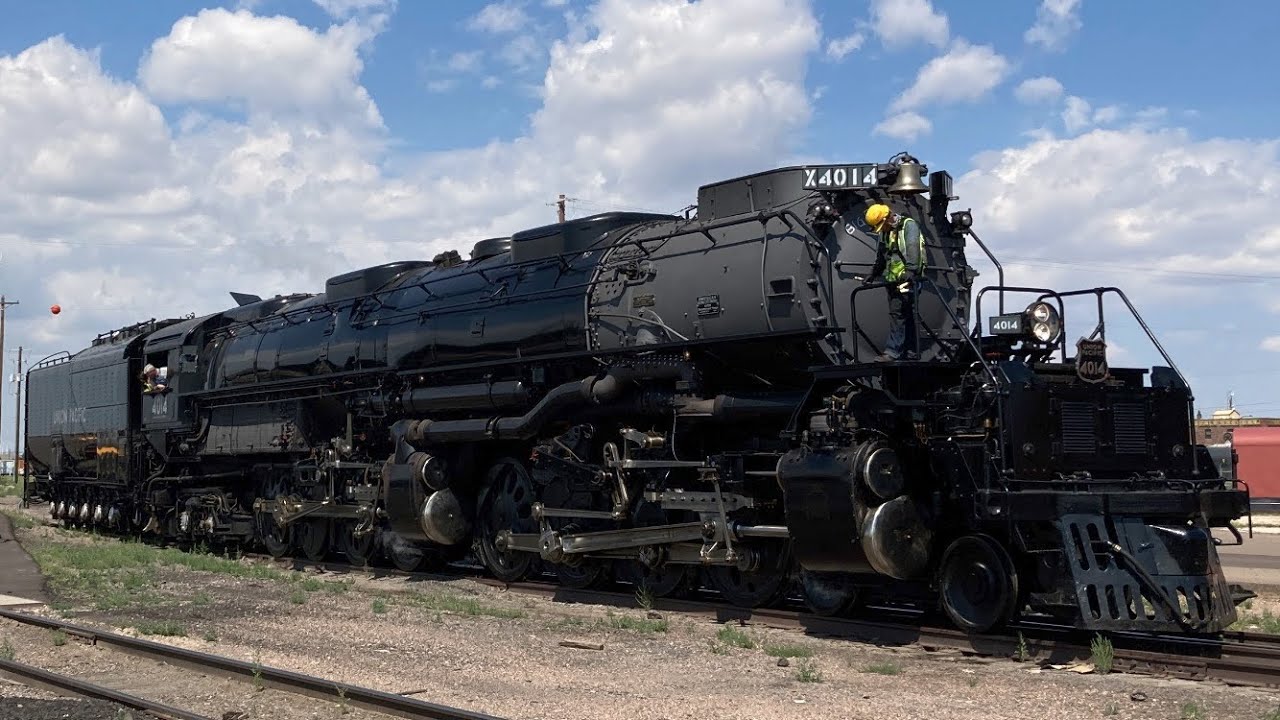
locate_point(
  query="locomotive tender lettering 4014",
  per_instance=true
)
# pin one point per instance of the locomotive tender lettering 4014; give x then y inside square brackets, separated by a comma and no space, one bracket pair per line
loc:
[672,402]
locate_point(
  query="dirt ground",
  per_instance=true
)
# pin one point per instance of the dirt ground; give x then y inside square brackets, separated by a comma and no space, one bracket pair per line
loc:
[466,644]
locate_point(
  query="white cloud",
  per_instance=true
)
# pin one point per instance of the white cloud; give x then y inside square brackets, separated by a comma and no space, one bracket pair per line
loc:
[267,64]
[838,48]
[1142,209]
[1056,20]
[143,217]
[667,92]
[904,126]
[1272,343]
[342,9]
[965,74]
[902,22]
[1078,114]
[464,61]
[1134,198]
[504,17]
[1038,90]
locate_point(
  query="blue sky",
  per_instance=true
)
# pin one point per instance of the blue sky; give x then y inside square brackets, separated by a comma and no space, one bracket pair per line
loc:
[263,146]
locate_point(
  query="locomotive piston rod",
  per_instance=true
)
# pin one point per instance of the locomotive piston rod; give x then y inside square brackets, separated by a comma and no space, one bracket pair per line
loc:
[553,545]
[286,511]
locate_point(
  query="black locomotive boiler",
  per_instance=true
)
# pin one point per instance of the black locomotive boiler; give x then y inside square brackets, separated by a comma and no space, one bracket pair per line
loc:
[672,401]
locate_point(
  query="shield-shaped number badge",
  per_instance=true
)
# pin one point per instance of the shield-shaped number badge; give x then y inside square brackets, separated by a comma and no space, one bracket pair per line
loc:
[1091,360]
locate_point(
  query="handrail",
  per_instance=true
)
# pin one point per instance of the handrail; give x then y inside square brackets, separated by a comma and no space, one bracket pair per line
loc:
[1001,457]
[1044,292]
[994,261]
[1100,329]
[915,290]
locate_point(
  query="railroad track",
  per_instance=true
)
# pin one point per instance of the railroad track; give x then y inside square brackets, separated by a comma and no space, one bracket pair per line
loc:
[353,696]
[1237,658]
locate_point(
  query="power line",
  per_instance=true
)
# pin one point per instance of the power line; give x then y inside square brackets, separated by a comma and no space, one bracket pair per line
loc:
[1100,265]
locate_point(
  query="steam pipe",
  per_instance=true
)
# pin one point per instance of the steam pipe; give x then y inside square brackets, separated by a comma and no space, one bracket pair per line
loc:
[593,390]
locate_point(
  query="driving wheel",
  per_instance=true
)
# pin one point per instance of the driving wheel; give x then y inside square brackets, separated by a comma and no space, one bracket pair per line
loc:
[277,540]
[979,584]
[313,538]
[762,586]
[359,549]
[506,506]
[664,580]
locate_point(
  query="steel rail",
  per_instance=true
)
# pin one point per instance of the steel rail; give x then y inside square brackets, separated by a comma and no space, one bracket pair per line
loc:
[278,678]
[66,684]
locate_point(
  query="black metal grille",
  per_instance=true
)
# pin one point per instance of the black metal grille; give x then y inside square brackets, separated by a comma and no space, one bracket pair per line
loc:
[1079,434]
[1130,420]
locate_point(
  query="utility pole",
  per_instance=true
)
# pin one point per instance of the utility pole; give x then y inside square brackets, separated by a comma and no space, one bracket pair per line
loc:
[560,207]
[4,304]
[17,417]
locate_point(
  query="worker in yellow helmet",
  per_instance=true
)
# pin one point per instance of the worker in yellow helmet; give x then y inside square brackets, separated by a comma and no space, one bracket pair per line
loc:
[900,257]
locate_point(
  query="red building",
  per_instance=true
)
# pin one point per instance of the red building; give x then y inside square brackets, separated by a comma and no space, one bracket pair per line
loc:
[1258,460]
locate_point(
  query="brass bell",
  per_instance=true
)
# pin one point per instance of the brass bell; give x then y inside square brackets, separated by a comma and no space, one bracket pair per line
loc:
[908,182]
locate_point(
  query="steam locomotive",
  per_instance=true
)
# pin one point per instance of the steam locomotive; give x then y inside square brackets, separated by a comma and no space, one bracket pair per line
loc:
[674,401]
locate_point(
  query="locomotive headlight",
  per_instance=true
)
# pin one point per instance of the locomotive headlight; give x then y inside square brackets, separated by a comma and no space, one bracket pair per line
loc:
[1044,322]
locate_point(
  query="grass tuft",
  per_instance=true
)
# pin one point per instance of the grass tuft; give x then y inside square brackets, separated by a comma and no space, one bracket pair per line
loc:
[884,668]
[807,672]
[379,606]
[59,637]
[732,636]
[1102,654]
[6,650]
[788,651]
[459,605]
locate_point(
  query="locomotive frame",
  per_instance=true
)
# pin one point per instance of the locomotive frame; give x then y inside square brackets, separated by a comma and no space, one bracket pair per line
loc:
[669,401]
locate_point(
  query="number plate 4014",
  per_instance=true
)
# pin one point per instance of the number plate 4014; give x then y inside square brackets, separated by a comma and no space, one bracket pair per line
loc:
[834,177]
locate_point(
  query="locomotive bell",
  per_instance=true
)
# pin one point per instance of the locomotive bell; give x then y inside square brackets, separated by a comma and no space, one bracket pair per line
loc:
[908,182]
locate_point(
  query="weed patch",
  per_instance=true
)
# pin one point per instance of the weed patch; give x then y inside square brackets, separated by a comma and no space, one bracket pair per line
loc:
[20,520]
[788,651]
[1102,654]
[732,636]
[808,672]
[459,605]
[1265,622]
[884,668]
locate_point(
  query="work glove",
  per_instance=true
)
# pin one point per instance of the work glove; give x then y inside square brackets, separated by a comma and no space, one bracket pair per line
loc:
[904,287]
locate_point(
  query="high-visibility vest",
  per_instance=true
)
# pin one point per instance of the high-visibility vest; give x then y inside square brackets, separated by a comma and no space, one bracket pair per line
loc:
[900,257]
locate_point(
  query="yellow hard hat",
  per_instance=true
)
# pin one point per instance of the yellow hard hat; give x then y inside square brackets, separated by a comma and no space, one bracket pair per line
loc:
[876,215]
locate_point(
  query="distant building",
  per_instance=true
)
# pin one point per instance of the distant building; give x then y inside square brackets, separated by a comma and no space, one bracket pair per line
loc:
[1219,428]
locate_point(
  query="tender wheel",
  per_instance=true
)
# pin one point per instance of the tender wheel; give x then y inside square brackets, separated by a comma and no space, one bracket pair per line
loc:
[755,588]
[506,505]
[313,538]
[979,585]
[828,594]
[358,550]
